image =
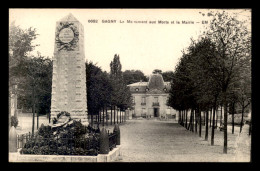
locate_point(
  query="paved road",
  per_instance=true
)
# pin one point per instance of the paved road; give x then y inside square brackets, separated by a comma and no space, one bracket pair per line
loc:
[162,141]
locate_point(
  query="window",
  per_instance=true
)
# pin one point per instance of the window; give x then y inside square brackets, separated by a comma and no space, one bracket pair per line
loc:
[143,111]
[143,100]
[156,99]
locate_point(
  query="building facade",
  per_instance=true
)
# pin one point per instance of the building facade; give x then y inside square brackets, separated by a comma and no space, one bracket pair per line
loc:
[150,98]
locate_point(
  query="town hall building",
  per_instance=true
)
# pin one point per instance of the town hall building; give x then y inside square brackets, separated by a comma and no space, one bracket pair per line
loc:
[150,98]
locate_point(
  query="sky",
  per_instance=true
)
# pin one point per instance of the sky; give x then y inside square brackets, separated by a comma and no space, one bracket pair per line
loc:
[141,46]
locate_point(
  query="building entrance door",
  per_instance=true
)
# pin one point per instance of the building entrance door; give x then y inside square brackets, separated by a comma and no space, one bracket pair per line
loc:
[156,112]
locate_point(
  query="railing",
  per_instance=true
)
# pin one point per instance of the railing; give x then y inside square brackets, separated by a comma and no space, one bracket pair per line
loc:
[108,116]
[156,104]
[112,140]
[68,145]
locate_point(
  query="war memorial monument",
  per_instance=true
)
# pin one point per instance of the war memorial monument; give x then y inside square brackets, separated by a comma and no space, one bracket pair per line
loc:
[69,75]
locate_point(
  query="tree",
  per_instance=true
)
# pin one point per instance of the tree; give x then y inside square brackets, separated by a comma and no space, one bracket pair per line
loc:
[115,68]
[35,90]
[133,76]
[244,93]
[209,69]
[233,46]
[121,95]
[20,43]
[99,88]
[167,76]
[157,71]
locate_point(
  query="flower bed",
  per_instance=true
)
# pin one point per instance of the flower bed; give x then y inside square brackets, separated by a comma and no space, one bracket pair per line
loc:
[70,139]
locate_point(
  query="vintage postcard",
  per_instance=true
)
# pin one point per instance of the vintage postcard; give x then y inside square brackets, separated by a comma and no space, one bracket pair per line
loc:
[129,85]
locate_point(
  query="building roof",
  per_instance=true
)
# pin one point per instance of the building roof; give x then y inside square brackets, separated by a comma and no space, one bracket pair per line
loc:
[154,85]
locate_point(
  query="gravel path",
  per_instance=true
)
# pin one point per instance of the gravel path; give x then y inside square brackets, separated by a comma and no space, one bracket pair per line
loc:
[162,141]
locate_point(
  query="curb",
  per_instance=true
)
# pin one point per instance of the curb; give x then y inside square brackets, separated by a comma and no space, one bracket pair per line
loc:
[113,155]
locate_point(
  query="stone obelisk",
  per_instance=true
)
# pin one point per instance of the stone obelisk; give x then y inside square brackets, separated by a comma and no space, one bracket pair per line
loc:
[69,74]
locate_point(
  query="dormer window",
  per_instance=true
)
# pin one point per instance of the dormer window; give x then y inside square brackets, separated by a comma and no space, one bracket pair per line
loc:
[137,89]
[147,89]
[165,89]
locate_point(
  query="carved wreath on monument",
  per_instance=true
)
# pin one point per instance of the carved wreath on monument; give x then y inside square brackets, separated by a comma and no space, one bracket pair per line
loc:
[67,36]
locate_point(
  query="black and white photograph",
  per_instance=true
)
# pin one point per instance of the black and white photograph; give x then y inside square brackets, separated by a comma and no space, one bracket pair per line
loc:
[129,85]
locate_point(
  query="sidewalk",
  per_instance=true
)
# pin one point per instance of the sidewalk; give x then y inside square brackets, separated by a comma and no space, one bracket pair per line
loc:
[243,145]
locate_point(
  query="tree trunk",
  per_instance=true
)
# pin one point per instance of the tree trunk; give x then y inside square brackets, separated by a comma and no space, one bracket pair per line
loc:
[213,122]
[33,111]
[91,120]
[216,119]
[99,116]
[189,127]
[242,117]
[210,117]
[106,118]
[204,115]
[117,116]
[207,125]
[178,117]
[186,119]
[37,119]
[221,115]
[200,123]
[181,117]
[233,113]
[120,113]
[225,123]
[103,116]
[196,121]
[111,118]
[33,119]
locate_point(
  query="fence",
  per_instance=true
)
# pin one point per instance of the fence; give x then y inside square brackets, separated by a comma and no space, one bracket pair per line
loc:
[112,140]
[68,145]
[22,139]
[108,115]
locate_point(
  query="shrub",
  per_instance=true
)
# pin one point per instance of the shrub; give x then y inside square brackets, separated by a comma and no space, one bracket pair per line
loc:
[14,121]
[73,139]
